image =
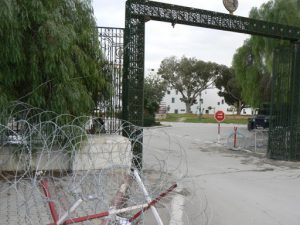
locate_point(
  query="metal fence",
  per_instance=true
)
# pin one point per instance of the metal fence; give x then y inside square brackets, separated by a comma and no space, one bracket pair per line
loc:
[111,41]
[255,141]
[284,136]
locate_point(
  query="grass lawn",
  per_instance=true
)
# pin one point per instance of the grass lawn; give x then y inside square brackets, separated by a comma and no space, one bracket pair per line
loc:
[193,118]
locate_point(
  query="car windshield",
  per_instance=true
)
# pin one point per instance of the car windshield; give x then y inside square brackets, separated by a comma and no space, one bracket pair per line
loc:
[264,110]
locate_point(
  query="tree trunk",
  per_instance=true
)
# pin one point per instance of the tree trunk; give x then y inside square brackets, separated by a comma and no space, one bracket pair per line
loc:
[239,107]
[188,108]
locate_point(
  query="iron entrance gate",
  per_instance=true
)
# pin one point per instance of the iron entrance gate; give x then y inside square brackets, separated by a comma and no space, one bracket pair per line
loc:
[140,11]
[284,133]
[111,41]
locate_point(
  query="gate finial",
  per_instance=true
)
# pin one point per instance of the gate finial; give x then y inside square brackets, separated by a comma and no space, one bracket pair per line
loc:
[231,5]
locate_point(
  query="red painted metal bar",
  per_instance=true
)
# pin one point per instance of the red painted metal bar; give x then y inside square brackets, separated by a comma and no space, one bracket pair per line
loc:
[44,184]
[84,218]
[119,198]
[153,202]
[102,214]
[107,213]
[117,202]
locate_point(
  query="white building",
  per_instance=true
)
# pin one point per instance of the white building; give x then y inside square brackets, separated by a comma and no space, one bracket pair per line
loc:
[209,102]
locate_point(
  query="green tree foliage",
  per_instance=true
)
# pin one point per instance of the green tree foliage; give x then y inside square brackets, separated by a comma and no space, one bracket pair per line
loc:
[50,55]
[154,91]
[188,76]
[251,74]
[253,62]
[230,88]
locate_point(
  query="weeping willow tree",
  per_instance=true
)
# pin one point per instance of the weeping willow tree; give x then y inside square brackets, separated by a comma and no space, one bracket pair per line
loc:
[252,75]
[253,61]
[50,55]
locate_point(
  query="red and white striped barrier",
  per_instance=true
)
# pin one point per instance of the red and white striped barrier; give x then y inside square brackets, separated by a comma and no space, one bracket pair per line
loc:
[142,208]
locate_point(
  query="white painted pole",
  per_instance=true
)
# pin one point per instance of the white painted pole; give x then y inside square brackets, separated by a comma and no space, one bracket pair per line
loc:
[153,209]
[219,131]
[131,208]
[72,209]
[110,212]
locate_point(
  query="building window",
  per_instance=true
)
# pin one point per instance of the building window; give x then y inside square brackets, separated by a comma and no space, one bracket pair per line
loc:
[218,103]
[173,100]
[201,100]
[222,101]
[182,110]
[176,111]
[168,92]
[244,111]
[176,92]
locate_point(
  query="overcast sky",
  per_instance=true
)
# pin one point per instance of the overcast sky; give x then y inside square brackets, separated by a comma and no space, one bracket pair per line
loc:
[162,40]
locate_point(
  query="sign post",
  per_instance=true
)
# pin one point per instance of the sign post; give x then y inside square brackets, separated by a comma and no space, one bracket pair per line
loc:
[220,117]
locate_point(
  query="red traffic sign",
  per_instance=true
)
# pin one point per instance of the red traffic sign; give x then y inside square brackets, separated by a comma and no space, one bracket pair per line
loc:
[219,116]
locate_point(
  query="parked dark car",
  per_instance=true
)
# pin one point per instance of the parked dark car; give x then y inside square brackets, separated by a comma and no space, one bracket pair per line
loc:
[261,118]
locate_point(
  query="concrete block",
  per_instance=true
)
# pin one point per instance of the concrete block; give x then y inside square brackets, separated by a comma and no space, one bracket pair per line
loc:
[96,152]
[99,152]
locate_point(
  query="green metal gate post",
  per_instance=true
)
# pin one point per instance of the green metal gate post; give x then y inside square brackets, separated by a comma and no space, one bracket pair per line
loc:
[133,82]
[284,133]
[295,112]
[280,118]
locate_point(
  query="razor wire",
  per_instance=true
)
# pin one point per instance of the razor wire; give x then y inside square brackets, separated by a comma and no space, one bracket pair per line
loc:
[61,169]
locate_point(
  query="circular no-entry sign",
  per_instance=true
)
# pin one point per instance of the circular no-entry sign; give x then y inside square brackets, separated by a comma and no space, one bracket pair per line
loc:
[219,116]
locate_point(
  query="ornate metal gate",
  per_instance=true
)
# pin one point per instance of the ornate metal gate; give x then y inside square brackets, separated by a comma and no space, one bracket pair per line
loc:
[110,107]
[140,11]
[284,134]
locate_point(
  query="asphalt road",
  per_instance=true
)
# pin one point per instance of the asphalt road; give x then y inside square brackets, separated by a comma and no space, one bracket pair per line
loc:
[219,186]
